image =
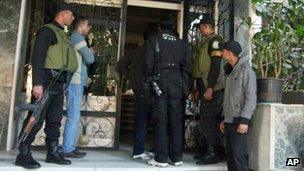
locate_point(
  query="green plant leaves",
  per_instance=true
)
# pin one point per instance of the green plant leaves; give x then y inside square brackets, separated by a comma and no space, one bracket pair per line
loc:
[278,46]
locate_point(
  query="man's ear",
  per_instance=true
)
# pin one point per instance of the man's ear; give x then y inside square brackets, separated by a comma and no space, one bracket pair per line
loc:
[230,53]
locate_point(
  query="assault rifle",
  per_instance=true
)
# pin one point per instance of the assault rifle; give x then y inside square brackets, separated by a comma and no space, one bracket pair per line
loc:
[36,108]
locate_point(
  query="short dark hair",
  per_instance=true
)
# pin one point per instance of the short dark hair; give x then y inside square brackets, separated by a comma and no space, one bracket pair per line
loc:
[78,20]
[150,30]
[166,24]
[207,19]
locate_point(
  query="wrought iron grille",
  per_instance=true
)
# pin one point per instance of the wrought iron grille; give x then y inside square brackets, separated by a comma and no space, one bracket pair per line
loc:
[100,118]
[226,18]
[194,10]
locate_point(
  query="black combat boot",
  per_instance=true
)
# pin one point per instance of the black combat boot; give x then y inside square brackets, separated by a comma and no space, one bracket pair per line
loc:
[203,149]
[210,158]
[25,159]
[53,155]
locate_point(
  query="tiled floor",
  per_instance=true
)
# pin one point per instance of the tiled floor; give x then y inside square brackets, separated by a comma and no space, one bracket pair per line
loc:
[104,160]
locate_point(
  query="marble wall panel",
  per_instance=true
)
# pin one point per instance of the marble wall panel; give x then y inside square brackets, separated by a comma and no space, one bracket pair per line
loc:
[289,134]
[9,18]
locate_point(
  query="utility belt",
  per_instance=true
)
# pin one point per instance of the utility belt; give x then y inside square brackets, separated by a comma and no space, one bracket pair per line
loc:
[167,66]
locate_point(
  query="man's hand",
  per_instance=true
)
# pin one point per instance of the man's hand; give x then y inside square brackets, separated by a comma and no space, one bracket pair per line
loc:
[38,92]
[222,127]
[242,128]
[208,94]
[194,95]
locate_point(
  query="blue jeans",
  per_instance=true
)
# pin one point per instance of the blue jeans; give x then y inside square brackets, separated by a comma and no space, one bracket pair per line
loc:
[74,99]
[141,122]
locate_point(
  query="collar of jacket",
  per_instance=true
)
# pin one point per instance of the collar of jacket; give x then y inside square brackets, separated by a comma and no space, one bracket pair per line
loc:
[167,32]
[209,35]
[76,32]
[58,25]
[207,38]
[240,62]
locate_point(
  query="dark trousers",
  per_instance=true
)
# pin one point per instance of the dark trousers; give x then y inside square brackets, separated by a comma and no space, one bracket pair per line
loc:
[210,113]
[168,122]
[141,122]
[52,115]
[237,152]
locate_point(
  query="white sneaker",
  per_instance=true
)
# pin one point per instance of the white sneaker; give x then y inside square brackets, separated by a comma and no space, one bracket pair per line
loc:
[180,163]
[158,164]
[150,154]
[142,156]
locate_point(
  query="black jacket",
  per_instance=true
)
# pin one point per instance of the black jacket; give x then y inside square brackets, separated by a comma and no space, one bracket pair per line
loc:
[168,56]
[132,66]
[172,54]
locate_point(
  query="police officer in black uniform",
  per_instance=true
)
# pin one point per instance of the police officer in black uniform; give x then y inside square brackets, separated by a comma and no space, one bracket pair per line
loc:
[167,58]
[46,47]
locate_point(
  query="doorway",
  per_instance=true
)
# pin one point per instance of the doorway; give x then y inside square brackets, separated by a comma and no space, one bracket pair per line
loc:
[105,103]
[138,19]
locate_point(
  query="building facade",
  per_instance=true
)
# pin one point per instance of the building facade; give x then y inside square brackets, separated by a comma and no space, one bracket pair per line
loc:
[118,26]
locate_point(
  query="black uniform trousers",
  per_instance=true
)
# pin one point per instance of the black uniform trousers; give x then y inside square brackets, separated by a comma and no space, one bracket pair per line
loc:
[141,122]
[52,115]
[168,121]
[210,113]
[237,152]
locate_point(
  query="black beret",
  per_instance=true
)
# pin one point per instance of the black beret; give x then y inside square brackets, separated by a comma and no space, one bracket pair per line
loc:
[233,46]
[62,6]
[207,19]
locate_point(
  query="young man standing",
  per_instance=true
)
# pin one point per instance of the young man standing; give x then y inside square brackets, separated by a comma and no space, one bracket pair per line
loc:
[238,107]
[75,90]
[132,66]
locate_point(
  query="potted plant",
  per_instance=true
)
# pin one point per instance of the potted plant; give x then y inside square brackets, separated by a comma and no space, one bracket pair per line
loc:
[275,50]
[294,82]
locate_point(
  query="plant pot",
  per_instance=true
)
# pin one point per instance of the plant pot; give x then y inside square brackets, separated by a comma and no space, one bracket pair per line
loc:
[293,97]
[269,90]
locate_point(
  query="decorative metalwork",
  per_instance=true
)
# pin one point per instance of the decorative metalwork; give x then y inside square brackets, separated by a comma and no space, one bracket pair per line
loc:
[226,19]
[93,132]
[99,107]
[192,125]
[194,13]
[105,20]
